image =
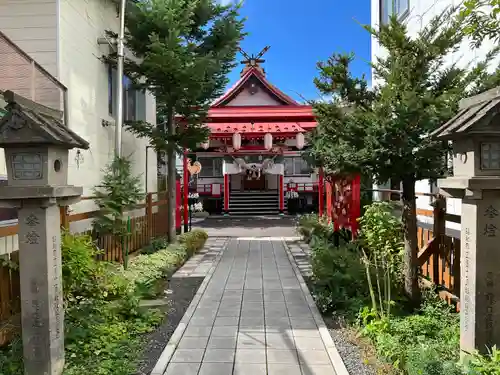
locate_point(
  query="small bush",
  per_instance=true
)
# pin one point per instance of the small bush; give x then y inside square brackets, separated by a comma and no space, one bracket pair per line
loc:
[399,340]
[425,360]
[339,281]
[145,269]
[477,364]
[311,227]
[158,243]
[193,241]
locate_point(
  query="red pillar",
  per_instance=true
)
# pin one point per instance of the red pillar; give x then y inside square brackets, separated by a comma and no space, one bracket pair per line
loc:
[178,206]
[355,204]
[186,191]
[335,218]
[226,194]
[329,201]
[281,190]
[321,198]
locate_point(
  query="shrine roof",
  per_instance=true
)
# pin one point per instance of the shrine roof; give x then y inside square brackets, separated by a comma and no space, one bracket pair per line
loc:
[254,72]
[260,127]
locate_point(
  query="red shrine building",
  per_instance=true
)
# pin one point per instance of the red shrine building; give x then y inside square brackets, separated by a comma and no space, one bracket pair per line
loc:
[252,163]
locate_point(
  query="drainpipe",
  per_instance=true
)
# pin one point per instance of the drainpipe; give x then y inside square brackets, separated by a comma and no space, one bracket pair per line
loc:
[119,81]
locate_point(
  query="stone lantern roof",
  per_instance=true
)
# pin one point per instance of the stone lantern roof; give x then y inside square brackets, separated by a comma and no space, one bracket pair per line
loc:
[27,123]
[476,116]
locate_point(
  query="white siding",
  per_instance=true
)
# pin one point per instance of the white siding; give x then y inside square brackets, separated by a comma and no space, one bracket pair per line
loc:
[86,76]
[32,25]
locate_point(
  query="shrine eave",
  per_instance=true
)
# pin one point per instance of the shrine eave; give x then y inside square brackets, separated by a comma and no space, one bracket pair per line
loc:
[259,128]
[302,113]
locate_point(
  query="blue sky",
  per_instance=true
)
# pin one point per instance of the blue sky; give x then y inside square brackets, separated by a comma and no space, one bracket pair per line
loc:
[300,34]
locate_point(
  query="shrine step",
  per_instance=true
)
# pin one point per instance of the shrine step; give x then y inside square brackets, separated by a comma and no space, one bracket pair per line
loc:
[253,203]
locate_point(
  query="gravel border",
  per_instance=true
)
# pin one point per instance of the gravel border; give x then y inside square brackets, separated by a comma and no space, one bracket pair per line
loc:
[183,287]
[183,291]
[352,355]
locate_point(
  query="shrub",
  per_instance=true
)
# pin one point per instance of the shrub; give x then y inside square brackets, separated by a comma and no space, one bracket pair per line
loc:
[193,241]
[103,322]
[381,241]
[477,364]
[158,243]
[312,227]
[425,360]
[339,281]
[399,340]
[145,269]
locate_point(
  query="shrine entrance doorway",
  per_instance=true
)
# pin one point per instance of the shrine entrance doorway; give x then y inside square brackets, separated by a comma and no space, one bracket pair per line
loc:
[253,184]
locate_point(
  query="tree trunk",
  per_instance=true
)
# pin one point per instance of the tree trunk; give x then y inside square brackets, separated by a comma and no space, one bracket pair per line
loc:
[171,181]
[410,240]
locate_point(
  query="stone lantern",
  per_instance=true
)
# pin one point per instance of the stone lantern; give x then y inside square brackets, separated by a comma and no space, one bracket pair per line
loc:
[475,133]
[36,144]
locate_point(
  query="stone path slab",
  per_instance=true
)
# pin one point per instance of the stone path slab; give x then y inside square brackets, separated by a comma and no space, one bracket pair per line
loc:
[253,315]
[200,263]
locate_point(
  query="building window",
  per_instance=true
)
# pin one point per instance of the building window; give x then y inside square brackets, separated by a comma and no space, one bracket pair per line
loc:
[134,101]
[211,167]
[388,8]
[296,166]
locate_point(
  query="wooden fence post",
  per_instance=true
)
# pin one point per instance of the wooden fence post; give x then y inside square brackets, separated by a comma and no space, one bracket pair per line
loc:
[64,217]
[149,214]
[439,232]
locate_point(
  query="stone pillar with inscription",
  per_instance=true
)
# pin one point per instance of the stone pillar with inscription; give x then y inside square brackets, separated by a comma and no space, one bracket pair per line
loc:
[475,133]
[36,145]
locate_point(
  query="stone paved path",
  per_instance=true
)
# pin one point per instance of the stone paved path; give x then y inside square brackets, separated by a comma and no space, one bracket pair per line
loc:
[254,316]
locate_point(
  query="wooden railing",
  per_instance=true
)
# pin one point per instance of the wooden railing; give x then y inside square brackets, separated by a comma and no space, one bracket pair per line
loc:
[439,255]
[439,247]
[152,223]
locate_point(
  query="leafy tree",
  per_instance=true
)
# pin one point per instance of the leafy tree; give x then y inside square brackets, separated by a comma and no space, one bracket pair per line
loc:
[385,131]
[119,192]
[183,51]
[482,19]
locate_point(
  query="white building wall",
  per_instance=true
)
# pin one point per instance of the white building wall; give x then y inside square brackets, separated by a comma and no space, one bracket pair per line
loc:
[421,12]
[61,35]
[32,25]
[81,23]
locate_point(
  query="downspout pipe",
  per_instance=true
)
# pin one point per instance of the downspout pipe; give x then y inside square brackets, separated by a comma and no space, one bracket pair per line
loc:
[119,81]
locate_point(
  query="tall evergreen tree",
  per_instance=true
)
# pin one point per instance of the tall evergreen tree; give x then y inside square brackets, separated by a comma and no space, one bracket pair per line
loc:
[385,131]
[183,51]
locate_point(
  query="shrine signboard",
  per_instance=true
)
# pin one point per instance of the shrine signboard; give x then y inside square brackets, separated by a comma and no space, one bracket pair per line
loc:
[343,203]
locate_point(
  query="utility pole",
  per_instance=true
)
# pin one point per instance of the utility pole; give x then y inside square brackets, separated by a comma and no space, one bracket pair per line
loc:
[119,80]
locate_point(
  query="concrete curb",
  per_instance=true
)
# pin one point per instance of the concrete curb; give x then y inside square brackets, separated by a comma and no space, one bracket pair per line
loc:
[333,353]
[166,355]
